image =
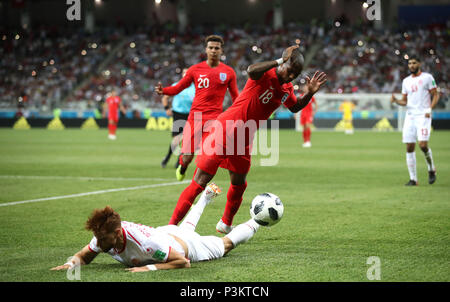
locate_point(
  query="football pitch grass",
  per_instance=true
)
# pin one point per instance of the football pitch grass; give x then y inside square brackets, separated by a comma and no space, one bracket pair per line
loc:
[344,200]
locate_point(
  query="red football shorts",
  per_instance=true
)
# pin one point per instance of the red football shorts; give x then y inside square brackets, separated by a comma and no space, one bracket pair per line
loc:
[239,164]
[306,118]
[114,117]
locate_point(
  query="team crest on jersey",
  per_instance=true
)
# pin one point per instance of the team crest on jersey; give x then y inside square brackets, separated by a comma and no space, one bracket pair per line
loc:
[284,98]
[223,76]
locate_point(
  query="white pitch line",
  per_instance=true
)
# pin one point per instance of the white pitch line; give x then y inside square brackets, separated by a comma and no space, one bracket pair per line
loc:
[82,178]
[94,193]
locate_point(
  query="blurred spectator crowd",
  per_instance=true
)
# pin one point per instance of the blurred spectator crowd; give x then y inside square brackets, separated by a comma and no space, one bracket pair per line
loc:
[54,68]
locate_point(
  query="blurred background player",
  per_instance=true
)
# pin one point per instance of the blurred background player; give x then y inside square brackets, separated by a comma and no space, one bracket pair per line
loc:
[144,248]
[211,78]
[306,120]
[112,104]
[181,105]
[269,85]
[346,108]
[420,96]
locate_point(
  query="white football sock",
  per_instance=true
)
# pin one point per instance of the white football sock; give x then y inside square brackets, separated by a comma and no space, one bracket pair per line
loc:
[192,218]
[429,160]
[243,232]
[411,163]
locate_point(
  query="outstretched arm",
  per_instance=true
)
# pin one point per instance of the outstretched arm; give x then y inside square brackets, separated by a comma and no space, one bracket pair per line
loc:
[184,83]
[257,70]
[83,257]
[312,86]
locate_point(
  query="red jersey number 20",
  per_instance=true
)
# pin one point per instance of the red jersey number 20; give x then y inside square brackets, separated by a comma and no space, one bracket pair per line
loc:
[203,83]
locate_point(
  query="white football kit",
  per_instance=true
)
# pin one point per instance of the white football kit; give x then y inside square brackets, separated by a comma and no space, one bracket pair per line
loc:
[417,89]
[145,245]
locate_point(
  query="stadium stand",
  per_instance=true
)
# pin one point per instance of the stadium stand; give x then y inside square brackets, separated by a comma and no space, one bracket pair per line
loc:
[52,68]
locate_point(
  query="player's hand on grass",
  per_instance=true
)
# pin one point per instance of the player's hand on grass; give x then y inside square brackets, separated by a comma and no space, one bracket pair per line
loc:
[314,84]
[138,269]
[60,267]
[287,53]
[159,88]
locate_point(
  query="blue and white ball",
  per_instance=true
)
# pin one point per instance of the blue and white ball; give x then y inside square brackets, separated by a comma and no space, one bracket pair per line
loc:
[266,209]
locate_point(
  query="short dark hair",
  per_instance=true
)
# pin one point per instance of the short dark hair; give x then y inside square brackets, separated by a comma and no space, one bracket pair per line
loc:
[414,58]
[297,60]
[214,38]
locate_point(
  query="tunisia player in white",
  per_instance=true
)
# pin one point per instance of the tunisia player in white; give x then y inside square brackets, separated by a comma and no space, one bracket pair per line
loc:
[420,96]
[143,248]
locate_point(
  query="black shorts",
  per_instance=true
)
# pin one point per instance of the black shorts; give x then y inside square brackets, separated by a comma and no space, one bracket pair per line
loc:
[179,120]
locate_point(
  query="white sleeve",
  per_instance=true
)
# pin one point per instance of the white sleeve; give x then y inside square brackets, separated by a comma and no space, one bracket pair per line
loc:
[93,245]
[404,88]
[158,247]
[431,83]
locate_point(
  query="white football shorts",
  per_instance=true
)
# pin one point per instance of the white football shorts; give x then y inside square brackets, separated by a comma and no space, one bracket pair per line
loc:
[200,248]
[416,127]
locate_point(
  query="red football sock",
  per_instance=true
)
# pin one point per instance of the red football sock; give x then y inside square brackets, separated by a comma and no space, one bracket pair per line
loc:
[112,128]
[307,134]
[234,200]
[185,202]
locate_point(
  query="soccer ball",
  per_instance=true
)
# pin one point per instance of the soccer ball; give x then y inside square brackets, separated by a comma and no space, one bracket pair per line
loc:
[266,209]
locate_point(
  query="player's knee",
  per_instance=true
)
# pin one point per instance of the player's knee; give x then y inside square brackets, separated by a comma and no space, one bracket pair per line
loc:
[423,146]
[202,178]
[187,158]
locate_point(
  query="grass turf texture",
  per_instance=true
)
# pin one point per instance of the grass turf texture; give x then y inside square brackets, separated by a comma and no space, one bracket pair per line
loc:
[344,199]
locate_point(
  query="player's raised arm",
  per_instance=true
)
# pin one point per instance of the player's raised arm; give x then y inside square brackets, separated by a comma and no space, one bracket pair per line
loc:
[257,70]
[311,87]
[83,257]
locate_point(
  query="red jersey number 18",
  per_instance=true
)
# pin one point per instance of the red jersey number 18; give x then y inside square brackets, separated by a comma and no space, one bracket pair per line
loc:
[266,96]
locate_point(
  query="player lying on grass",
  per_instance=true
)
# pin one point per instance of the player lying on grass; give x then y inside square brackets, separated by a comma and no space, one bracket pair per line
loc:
[144,248]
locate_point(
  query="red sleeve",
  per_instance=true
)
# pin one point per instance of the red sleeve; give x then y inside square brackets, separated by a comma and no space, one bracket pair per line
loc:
[180,86]
[291,100]
[232,86]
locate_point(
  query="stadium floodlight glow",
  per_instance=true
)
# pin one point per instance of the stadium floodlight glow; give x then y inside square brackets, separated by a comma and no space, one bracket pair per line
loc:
[98,2]
[365,5]
[158,1]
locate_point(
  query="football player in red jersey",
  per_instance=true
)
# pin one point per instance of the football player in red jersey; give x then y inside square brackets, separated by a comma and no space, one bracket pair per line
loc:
[306,120]
[269,86]
[212,78]
[112,104]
